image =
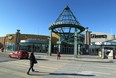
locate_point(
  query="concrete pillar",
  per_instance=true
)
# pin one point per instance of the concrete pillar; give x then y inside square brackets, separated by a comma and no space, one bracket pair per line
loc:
[17,40]
[50,43]
[102,52]
[79,49]
[75,44]
[87,40]
[59,45]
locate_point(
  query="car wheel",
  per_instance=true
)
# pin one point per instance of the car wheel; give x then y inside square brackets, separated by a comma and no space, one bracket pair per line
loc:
[9,56]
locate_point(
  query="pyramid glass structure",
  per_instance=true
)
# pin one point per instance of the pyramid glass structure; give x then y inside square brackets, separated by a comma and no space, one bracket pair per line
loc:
[66,25]
[67,17]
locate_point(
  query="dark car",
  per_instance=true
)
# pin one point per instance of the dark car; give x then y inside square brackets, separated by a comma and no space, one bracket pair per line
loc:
[19,54]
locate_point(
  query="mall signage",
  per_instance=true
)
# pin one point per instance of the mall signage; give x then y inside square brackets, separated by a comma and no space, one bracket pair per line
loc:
[98,36]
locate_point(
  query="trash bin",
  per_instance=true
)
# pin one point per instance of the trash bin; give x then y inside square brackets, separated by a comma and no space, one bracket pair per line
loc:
[100,54]
[110,55]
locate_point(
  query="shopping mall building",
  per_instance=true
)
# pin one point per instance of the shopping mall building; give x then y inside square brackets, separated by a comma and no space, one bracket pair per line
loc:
[39,43]
[101,41]
[13,42]
[66,35]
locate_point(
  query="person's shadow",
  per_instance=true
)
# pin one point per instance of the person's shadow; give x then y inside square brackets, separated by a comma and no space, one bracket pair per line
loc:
[59,74]
[70,74]
[38,73]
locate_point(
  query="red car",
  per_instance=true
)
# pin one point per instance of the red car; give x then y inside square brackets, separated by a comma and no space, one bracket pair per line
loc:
[19,54]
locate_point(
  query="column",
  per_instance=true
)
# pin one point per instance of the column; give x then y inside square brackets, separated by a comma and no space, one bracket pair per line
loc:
[17,40]
[75,43]
[79,47]
[102,48]
[59,46]
[49,48]
[87,40]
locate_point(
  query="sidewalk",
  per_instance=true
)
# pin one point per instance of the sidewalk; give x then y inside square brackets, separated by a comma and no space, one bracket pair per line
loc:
[67,57]
[70,57]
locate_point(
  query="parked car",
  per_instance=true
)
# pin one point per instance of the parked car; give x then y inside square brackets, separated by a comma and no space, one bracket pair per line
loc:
[19,54]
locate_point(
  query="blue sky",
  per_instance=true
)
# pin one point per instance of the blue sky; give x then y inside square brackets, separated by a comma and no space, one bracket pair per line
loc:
[35,16]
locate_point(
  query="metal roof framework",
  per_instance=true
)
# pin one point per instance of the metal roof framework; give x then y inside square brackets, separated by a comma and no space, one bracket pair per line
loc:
[66,25]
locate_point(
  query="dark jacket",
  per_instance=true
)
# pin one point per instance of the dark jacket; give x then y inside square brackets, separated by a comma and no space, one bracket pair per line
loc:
[32,58]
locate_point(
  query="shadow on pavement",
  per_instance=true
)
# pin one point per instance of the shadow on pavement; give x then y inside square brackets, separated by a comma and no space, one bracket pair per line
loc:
[71,74]
[37,73]
[59,74]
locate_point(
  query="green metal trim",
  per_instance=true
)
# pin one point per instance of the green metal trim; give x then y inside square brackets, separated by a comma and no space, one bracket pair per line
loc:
[67,25]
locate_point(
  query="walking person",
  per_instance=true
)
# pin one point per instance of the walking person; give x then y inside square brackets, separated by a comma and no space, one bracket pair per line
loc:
[58,55]
[2,49]
[32,62]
